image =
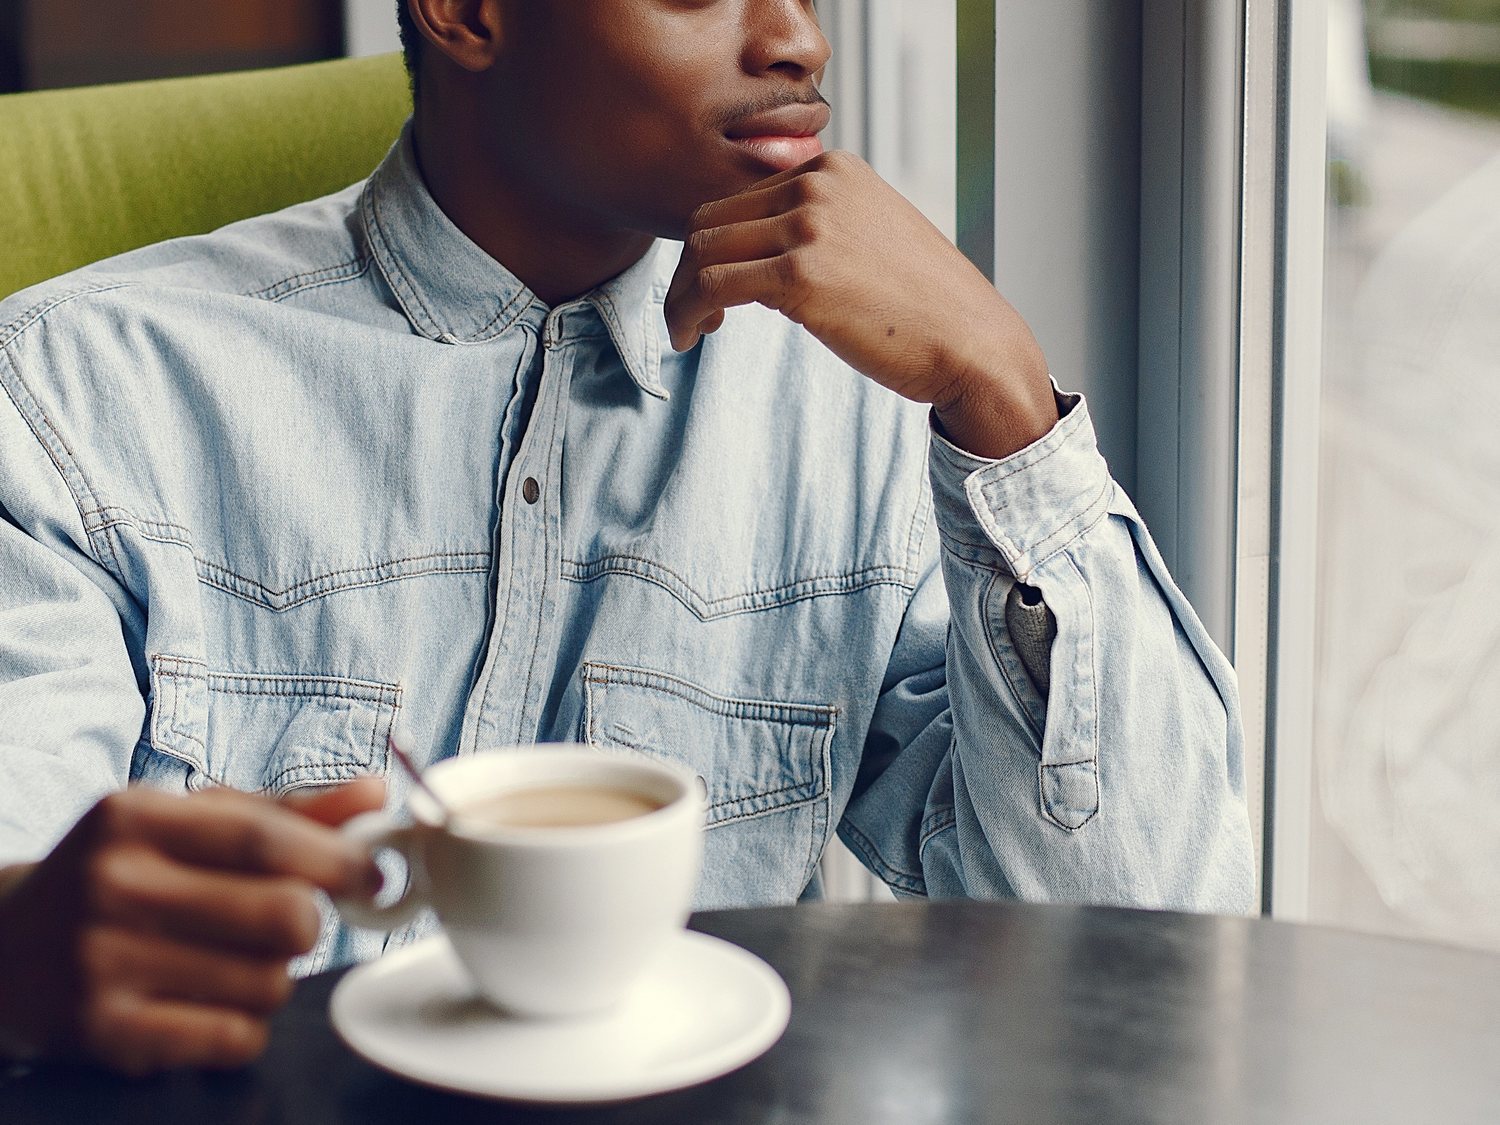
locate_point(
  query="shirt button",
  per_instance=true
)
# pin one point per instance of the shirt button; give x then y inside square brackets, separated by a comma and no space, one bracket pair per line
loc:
[702,787]
[530,490]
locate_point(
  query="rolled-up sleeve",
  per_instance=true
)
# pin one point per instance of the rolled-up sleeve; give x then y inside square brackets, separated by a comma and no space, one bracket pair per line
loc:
[1119,778]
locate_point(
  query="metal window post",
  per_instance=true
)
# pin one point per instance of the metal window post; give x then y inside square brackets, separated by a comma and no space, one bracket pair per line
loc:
[976,133]
[1298,390]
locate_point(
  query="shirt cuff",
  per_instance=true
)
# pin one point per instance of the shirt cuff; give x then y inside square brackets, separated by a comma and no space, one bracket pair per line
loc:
[1029,506]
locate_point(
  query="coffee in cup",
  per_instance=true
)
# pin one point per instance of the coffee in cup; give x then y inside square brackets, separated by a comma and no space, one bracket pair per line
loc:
[562,872]
[555,806]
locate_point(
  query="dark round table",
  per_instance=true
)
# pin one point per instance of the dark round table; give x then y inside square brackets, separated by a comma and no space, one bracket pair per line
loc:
[966,1012]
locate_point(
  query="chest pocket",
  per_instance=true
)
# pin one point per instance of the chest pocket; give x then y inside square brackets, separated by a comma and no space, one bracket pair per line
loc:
[764,767]
[268,733]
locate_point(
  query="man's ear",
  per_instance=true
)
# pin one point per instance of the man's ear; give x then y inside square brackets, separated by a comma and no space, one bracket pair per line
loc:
[468,32]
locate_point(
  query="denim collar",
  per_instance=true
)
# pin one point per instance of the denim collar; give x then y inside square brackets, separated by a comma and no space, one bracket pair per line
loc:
[454,292]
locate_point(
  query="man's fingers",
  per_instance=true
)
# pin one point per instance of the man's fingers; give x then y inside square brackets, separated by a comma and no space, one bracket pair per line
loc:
[115,958]
[139,1036]
[257,915]
[813,182]
[239,832]
[770,226]
[775,196]
[745,242]
[334,806]
[769,281]
[741,242]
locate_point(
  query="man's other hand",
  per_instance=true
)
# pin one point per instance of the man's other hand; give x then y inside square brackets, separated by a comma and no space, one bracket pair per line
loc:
[157,933]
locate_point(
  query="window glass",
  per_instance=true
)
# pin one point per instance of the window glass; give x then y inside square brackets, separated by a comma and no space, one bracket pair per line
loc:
[1406,825]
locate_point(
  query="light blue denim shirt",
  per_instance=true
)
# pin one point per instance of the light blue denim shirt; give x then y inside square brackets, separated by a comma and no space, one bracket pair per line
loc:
[266,491]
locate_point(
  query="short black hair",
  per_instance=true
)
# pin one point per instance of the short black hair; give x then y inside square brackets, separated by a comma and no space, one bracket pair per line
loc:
[411,43]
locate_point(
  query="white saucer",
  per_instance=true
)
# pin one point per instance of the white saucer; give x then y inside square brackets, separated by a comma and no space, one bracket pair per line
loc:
[704,1009]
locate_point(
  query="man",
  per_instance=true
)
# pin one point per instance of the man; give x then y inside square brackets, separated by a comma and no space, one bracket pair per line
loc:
[466,445]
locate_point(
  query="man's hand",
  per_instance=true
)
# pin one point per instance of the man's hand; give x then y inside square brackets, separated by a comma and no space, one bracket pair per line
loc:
[157,933]
[838,250]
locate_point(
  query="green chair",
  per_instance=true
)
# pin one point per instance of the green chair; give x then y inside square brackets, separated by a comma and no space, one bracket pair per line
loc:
[97,171]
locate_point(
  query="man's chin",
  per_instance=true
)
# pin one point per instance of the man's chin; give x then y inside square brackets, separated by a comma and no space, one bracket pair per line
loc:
[683,225]
[677,223]
[677,228]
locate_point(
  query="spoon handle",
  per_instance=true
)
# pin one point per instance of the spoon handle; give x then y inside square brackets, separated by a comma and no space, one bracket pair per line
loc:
[415,774]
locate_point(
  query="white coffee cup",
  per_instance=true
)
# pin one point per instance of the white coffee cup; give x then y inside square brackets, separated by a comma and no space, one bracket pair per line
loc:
[549,921]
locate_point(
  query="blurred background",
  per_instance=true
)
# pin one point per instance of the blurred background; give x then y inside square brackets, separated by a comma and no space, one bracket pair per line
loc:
[1404,832]
[1407,737]
[50,43]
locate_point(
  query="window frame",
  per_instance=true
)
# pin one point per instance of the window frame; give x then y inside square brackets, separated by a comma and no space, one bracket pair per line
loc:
[1228,378]
[1297,379]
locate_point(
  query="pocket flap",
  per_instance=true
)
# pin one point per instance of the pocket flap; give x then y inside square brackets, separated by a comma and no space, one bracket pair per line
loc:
[266,733]
[754,756]
[1070,793]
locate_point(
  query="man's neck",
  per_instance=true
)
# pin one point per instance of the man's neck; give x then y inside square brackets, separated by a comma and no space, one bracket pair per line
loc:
[558,257]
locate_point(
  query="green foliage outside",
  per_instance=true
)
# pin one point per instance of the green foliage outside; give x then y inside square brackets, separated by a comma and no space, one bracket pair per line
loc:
[1479,11]
[1466,83]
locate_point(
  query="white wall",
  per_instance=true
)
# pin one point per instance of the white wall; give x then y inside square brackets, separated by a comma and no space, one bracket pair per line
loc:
[370,27]
[1067,197]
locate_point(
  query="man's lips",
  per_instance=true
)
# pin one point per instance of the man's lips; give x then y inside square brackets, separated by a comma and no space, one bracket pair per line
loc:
[801,119]
[780,154]
[782,138]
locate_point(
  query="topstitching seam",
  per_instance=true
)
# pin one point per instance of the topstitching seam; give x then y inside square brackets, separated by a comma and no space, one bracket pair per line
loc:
[29,316]
[57,459]
[891,574]
[822,715]
[311,279]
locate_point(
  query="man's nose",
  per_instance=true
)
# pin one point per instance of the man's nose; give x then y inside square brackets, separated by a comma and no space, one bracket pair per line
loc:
[784,35]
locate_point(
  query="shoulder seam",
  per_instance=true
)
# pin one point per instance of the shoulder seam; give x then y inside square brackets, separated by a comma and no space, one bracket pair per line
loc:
[57,450]
[29,316]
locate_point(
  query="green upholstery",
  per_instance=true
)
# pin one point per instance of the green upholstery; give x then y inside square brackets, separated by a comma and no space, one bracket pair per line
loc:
[92,172]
